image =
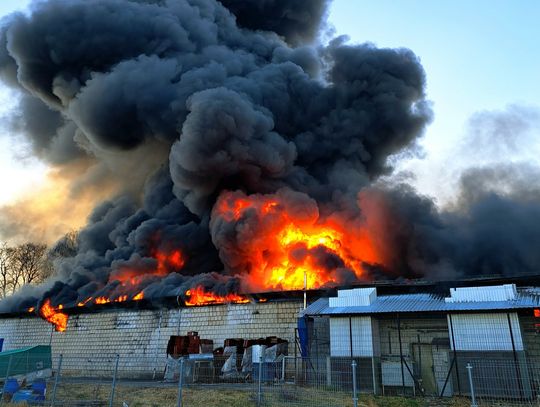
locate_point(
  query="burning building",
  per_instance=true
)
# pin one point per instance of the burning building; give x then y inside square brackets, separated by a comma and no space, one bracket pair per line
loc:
[239,155]
[258,146]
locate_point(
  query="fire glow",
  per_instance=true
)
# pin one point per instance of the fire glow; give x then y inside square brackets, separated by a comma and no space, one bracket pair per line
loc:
[277,245]
[281,248]
[166,262]
[199,296]
[129,282]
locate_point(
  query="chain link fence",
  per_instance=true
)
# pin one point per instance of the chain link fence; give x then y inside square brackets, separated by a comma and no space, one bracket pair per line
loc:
[202,379]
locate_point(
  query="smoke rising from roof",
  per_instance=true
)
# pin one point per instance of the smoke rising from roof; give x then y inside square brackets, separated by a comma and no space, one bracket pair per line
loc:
[230,96]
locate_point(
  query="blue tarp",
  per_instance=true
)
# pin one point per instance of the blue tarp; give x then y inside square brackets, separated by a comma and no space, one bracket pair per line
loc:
[303,336]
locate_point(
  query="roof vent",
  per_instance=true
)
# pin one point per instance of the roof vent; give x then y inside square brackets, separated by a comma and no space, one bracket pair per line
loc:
[354,297]
[504,292]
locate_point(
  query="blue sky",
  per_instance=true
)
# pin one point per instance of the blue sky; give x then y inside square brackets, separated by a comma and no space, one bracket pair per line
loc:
[479,55]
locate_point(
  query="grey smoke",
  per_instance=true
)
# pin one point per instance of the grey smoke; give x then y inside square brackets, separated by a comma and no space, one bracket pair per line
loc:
[502,133]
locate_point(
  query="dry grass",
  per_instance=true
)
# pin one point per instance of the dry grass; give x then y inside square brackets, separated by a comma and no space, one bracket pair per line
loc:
[137,396]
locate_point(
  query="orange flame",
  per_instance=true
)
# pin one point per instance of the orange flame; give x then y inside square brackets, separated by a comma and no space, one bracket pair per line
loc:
[83,303]
[31,309]
[138,297]
[199,296]
[52,314]
[279,247]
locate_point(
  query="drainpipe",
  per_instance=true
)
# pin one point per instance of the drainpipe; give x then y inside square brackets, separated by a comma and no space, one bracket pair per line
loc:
[516,366]
[305,289]
[455,353]
[157,344]
[401,354]
[350,337]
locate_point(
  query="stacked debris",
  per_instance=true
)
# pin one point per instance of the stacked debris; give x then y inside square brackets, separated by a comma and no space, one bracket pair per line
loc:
[238,359]
[188,345]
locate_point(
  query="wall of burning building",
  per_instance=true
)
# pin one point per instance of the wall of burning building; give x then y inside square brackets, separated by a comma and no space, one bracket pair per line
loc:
[140,337]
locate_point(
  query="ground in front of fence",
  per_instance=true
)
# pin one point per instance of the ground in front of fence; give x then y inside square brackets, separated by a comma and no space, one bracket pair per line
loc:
[157,396]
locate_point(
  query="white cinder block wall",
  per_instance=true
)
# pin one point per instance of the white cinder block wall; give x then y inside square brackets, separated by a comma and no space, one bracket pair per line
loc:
[140,337]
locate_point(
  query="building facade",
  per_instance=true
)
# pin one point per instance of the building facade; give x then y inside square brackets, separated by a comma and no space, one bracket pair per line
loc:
[422,342]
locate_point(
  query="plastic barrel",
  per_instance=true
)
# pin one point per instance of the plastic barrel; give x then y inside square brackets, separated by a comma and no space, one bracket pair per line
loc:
[11,386]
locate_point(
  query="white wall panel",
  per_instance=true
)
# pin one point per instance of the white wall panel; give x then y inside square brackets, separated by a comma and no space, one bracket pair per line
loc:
[504,292]
[485,332]
[363,330]
[354,297]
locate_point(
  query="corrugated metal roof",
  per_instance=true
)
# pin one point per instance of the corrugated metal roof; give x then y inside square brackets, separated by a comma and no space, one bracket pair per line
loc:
[422,303]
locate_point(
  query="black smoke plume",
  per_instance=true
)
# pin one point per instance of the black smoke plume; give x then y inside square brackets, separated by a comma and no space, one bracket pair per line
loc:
[241,98]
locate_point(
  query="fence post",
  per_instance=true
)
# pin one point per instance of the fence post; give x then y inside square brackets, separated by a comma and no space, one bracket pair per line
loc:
[111,401]
[180,382]
[354,390]
[6,380]
[57,379]
[473,397]
[259,387]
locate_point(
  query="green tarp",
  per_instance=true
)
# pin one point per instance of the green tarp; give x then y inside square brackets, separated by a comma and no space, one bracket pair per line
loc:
[25,360]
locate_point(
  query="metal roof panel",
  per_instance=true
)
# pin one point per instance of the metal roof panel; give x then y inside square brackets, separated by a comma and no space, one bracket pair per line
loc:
[422,303]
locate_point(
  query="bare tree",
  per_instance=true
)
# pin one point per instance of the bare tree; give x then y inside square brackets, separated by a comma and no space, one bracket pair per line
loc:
[6,255]
[27,264]
[31,263]
[66,246]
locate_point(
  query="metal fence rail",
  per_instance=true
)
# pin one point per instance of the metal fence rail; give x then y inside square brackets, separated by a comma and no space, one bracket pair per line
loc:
[113,381]
[504,382]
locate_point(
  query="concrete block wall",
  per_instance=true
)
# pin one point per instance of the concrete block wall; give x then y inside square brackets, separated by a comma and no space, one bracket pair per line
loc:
[140,337]
[413,330]
[531,335]
[417,331]
[319,342]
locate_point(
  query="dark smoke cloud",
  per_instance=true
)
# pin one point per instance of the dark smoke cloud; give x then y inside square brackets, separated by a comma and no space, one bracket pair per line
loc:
[297,21]
[492,230]
[181,100]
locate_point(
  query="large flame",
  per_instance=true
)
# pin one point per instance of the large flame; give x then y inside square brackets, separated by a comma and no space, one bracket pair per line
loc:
[279,247]
[54,315]
[128,283]
[272,242]
[199,296]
